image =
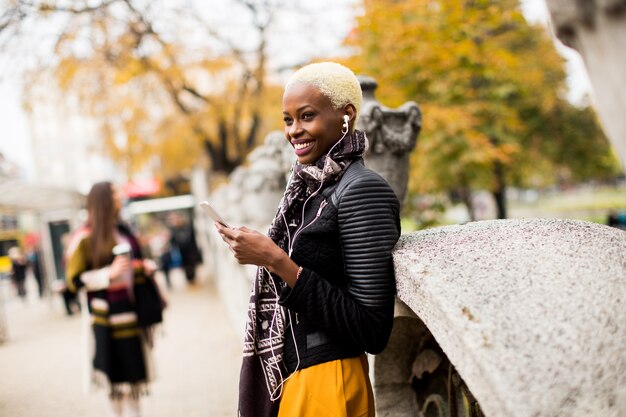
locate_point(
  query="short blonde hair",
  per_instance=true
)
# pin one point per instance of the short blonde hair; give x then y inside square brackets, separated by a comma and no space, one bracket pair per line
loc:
[334,80]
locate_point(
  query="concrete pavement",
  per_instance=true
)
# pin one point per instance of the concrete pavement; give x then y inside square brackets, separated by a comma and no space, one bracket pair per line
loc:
[197,356]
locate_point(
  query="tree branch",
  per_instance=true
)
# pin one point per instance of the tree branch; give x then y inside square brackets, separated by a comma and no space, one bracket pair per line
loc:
[47,7]
[148,29]
[12,16]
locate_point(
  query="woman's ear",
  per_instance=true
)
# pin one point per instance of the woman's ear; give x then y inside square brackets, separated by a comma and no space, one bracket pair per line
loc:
[350,110]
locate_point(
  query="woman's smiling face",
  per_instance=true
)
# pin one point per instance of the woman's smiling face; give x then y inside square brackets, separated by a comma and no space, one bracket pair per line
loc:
[312,125]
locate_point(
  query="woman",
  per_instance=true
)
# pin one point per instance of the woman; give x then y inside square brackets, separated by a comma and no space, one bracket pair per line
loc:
[324,289]
[104,257]
[19,266]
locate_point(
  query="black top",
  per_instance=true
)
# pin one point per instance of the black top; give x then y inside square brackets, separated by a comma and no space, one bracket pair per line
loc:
[18,271]
[342,304]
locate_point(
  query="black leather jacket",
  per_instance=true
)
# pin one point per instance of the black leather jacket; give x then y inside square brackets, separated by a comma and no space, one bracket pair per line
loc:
[342,304]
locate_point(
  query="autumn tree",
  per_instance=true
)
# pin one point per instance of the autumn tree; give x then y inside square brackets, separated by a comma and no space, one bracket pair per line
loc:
[160,81]
[490,85]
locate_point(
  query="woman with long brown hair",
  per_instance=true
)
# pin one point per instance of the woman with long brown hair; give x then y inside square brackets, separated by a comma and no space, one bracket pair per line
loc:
[104,257]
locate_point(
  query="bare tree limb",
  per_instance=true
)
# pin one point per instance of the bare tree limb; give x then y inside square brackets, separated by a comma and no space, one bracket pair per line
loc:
[47,7]
[11,16]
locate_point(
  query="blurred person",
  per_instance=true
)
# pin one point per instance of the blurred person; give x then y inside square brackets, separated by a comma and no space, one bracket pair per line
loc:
[167,263]
[59,285]
[33,257]
[19,266]
[116,287]
[183,244]
[324,289]
[617,218]
[160,249]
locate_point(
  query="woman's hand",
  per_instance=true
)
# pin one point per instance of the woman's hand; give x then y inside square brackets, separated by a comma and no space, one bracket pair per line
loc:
[249,246]
[149,267]
[254,248]
[121,263]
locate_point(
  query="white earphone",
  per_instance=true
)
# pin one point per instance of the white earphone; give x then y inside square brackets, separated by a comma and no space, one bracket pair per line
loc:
[346,126]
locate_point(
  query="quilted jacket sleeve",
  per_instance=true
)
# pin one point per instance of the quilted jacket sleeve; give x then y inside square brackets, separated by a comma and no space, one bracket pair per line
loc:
[362,313]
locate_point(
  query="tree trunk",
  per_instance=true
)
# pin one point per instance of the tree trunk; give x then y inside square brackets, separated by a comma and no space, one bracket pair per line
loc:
[499,193]
[466,197]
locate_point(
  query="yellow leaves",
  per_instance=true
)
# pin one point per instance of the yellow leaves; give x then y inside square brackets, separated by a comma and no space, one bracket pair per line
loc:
[137,140]
[132,69]
[158,102]
[476,68]
[506,152]
[66,71]
[47,8]
[177,147]
[216,65]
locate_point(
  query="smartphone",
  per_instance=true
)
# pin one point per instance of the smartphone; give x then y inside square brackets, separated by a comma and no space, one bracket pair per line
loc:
[208,208]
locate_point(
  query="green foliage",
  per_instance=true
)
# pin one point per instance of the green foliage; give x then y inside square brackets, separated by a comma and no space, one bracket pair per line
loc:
[490,87]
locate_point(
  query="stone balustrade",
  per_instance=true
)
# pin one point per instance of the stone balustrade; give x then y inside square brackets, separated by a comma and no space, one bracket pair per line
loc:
[529,312]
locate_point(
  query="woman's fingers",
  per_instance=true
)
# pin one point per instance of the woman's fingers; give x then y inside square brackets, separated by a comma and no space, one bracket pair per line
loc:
[119,265]
[220,228]
[234,240]
[224,232]
[229,232]
[247,245]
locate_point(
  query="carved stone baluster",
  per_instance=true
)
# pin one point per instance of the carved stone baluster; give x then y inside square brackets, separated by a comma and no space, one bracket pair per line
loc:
[392,135]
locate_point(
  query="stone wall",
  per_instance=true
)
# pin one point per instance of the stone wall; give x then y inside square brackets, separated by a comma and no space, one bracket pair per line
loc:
[530,312]
[250,198]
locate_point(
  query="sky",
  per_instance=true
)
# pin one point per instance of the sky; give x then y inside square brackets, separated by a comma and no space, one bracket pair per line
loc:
[15,144]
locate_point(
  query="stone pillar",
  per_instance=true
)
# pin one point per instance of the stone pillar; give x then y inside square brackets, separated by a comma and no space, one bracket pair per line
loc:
[597,30]
[392,368]
[392,135]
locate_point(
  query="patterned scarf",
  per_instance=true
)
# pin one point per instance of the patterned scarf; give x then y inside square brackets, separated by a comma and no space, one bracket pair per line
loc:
[261,378]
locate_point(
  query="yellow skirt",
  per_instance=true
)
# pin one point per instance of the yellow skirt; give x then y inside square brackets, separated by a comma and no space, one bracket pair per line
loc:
[338,388]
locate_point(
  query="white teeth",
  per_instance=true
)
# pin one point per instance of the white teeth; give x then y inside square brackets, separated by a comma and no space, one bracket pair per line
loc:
[299,146]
